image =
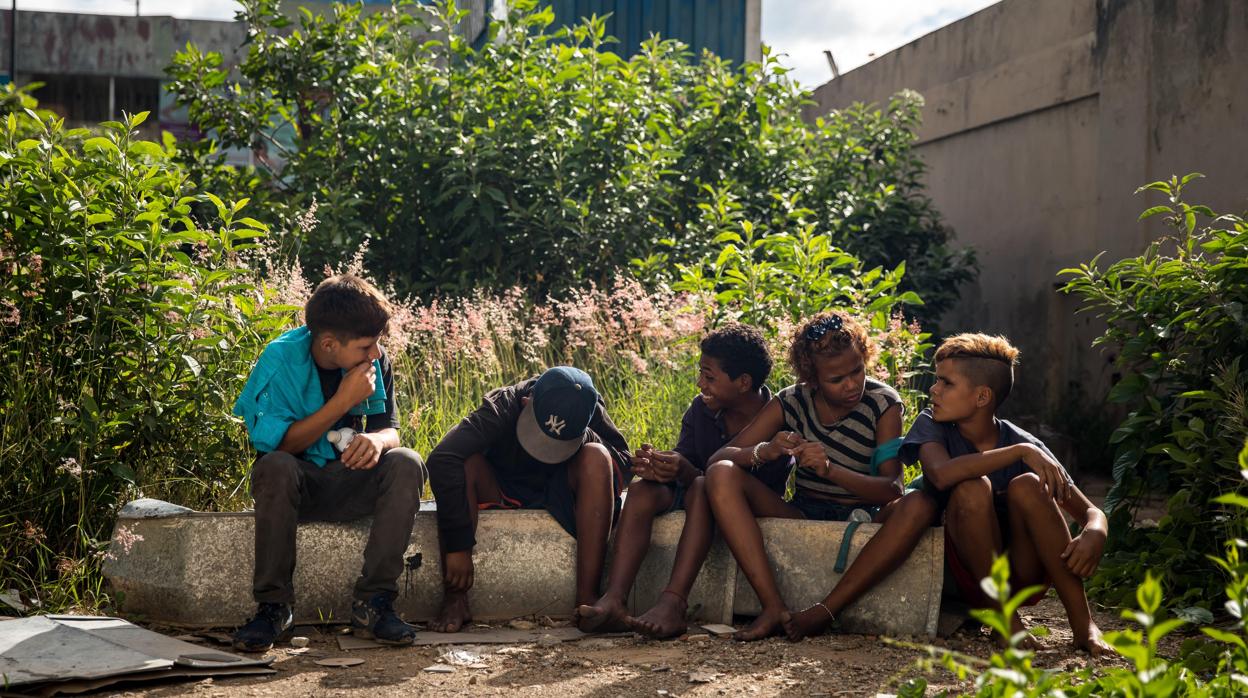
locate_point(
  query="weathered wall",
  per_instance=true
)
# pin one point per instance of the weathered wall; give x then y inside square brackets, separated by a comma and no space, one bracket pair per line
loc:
[65,43]
[1041,119]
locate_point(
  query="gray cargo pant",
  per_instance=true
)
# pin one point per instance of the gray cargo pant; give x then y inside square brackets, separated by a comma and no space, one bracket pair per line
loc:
[288,490]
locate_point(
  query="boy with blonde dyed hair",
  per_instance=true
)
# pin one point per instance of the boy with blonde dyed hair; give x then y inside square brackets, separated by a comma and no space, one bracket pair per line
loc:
[1001,488]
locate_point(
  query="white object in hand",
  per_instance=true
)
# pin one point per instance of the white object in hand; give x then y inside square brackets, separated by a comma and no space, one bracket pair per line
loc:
[341,438]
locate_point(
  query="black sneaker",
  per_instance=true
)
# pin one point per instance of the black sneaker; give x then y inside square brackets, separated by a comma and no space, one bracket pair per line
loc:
[272,622]
[376,620]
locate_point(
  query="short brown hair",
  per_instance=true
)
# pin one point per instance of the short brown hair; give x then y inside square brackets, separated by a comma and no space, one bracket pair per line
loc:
[827,334]
[347,306]
[984,359]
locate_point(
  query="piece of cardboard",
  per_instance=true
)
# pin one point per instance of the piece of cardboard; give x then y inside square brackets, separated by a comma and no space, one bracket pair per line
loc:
[55,654]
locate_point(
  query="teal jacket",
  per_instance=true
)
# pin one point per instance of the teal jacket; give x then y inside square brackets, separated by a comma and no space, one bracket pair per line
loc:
[284,387]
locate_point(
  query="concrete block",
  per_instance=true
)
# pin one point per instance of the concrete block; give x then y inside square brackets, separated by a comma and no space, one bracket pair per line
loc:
[803,553]
[195,569]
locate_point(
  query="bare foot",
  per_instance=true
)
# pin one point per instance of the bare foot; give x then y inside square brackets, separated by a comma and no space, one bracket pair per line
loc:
[767,624]
[812,621]
[454,614]
[666,619]
[606,615]
[1090,639]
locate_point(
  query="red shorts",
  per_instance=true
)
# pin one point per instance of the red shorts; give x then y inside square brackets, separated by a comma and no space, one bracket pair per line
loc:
[968,585]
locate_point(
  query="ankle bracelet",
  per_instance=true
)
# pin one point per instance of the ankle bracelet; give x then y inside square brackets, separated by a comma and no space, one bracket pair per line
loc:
[669,591]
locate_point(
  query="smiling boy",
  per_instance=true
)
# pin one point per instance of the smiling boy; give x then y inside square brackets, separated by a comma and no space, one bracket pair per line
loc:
[1002,490]
[732,370]
[330,373]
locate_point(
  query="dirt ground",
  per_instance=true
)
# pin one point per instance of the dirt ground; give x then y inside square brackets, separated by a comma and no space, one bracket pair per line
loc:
[697,665]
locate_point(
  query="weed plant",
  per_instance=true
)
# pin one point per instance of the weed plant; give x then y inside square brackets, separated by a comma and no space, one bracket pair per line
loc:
[1176,321]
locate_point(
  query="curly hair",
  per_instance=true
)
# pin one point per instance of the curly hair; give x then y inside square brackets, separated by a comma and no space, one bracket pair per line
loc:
[984,360]
[828,334]
[739,349]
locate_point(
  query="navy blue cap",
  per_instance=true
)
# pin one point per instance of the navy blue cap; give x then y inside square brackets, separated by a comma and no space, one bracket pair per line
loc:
[552,426]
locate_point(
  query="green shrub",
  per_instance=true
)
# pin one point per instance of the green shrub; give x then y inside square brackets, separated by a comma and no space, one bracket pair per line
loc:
[126,327]
[540,159]
[1215,667]
[1175,320]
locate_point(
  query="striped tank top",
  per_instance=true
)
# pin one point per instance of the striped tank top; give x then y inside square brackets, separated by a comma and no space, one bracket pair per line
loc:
[848,442]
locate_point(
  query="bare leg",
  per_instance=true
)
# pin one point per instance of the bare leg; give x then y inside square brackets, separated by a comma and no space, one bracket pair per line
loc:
[972,522]
[1039,532]
[645,500]
[667,617]
[737,498]
[481,486]
[905,521]
[589,475]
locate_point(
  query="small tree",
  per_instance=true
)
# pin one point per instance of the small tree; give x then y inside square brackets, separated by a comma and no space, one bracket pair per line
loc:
[1175,318]
[541,159]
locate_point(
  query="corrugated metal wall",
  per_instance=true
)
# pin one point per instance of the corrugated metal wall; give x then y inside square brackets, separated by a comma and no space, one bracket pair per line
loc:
[717,25]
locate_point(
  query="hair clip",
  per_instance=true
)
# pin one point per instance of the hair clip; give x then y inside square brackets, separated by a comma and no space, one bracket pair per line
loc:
[832,323]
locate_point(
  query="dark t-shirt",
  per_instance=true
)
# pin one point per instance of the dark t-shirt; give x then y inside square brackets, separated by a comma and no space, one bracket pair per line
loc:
[491,430]
[331,378]
[927,430]
[703,432]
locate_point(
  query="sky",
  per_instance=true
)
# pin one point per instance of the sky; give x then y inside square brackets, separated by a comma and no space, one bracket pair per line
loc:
[854,30]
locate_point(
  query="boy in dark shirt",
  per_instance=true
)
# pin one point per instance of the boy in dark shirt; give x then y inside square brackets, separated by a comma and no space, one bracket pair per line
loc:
[1001,488]
[731,371]
[329,374]
[546,443]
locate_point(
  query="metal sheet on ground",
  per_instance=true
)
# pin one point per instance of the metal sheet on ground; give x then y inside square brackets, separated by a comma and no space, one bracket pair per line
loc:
[47,653]
[37,649]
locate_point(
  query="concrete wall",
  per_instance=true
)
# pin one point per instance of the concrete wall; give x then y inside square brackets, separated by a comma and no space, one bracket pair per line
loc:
[66,43]
[1041,119]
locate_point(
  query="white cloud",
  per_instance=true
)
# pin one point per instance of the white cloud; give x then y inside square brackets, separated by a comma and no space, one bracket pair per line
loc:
[197,9]
[853,30]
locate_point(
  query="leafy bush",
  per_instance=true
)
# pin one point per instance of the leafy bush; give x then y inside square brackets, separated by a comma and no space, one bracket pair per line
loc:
[126,326]
[541,159]
[1176,322]
[1216,669]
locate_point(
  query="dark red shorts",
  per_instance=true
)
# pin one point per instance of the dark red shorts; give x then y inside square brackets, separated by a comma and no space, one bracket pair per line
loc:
[968,585]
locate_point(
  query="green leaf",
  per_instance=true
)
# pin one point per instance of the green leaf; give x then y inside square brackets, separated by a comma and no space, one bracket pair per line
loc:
[147,148]
[1225,637]
[99,143]
[1148,213]
[1232,499]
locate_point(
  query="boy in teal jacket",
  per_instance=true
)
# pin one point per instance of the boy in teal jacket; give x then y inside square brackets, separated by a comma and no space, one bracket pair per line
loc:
[329,375]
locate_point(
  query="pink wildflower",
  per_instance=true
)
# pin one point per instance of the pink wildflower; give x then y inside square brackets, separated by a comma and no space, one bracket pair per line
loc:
[10,314]
[71,467]
[32,532]
[125,539]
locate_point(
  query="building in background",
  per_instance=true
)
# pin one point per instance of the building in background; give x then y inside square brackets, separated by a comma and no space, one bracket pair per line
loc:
[95,67]
[1041,119]
[730,29]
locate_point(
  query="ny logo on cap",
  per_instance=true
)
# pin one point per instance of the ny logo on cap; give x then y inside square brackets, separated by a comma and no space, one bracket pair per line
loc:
[555,424]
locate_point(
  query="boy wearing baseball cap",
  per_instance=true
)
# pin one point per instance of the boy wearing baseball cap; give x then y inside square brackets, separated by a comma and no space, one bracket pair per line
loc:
[545,443]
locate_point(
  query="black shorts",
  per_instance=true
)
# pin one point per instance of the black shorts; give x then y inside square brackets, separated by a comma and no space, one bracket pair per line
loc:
[552,493]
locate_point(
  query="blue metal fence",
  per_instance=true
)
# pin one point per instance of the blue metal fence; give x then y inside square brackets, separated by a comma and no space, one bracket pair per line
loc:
[717,25]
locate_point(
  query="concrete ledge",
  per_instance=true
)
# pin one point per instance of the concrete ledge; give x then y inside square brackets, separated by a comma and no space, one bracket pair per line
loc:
[195,569]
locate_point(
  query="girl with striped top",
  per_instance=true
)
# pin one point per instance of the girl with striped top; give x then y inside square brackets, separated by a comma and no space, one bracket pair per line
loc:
[843,429]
